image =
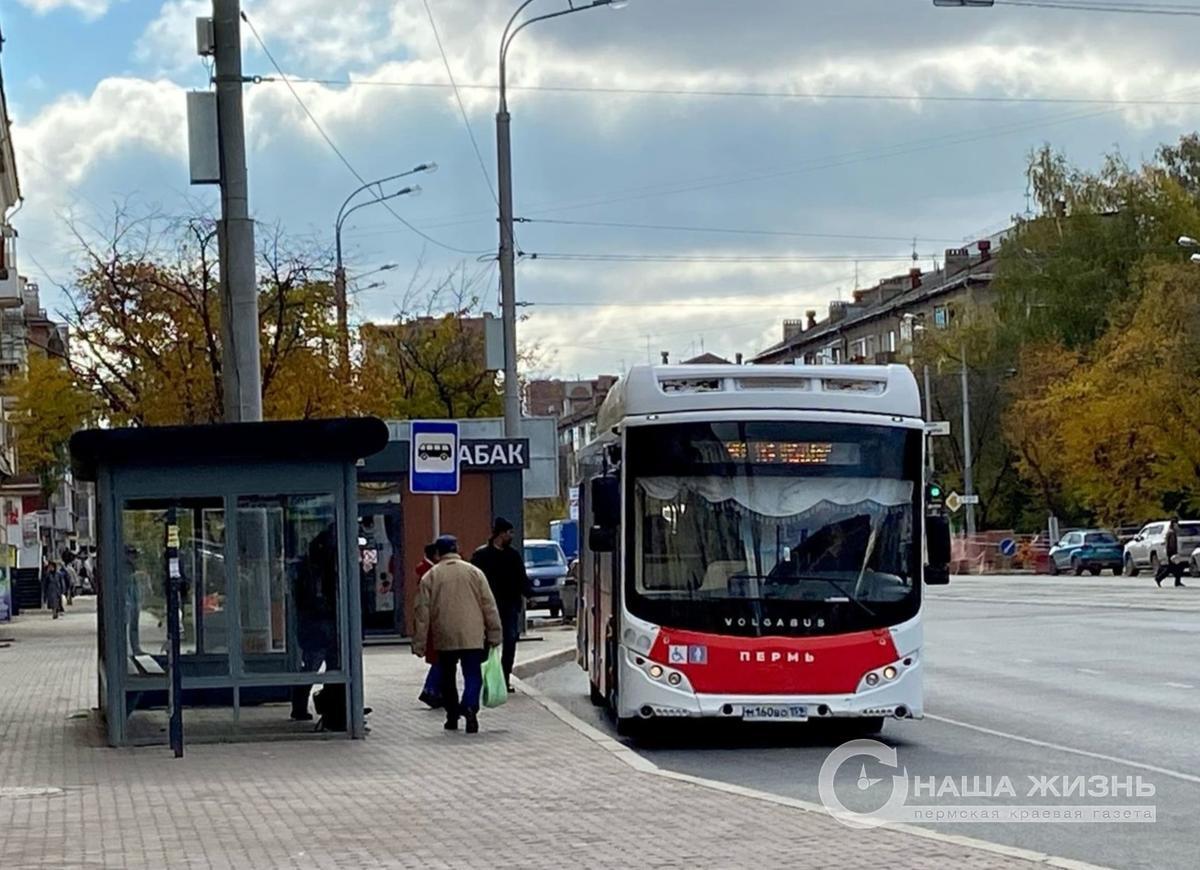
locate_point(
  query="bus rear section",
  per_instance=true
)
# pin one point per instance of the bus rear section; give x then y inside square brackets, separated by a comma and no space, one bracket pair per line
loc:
[763,561]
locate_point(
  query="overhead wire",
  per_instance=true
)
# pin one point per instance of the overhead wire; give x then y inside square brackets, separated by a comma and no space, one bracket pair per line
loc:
[1095,6]
[333,146]
[746,93]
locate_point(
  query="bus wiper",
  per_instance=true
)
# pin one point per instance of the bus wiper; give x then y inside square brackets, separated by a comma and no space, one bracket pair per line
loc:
[849,596]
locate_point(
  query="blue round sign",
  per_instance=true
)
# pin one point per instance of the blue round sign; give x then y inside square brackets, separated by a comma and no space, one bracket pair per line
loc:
[1008,547]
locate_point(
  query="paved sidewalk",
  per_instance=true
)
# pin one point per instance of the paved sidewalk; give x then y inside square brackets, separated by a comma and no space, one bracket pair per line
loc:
[529,791]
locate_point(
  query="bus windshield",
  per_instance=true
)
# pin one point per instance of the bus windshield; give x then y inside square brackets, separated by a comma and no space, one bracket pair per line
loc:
[787,519]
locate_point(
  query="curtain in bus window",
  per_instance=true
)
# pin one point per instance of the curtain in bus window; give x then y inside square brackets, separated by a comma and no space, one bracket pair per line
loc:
[726,535]
[781,496]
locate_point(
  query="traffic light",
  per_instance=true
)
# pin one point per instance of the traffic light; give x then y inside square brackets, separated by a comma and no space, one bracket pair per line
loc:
[934,494]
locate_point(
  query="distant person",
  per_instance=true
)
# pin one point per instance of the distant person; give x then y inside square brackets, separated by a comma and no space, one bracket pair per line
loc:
[54,587]
[456,615]
[1172,565]
[504,568]
[314,589]
[138,587]
[431,692]
[68,568]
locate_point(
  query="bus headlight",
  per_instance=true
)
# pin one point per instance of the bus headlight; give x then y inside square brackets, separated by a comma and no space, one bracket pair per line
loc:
[656,671]
[886,673]
[872,679]
[675,678]
[890,672]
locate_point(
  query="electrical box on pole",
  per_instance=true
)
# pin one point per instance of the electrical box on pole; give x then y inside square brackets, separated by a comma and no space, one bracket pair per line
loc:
[204,153]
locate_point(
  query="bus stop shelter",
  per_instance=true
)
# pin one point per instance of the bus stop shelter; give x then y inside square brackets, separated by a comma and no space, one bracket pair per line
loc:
[267,542]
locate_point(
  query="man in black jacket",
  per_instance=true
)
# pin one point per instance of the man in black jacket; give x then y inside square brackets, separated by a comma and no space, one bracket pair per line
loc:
[1172,566]
[504,568]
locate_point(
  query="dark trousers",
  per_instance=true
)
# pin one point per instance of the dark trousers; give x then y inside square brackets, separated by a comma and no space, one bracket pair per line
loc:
[510,619]
[1170,568]
[448,664]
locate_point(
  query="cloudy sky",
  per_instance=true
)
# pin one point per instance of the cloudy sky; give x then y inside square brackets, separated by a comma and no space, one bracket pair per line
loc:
[801,142]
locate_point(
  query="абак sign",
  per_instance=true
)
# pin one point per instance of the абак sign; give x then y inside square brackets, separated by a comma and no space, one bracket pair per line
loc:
[494,454]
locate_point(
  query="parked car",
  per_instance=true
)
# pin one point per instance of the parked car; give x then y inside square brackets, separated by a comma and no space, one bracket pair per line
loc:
[547,569]
[1091,550]
[1149,546]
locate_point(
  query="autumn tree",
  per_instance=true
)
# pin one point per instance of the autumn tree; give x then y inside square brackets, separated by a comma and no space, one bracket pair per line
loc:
[430,362]
[145,319]
[47,407]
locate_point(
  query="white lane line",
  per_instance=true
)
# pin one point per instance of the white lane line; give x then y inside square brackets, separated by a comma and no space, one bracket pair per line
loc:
[1094,673]
[1179,685]
[1058,747]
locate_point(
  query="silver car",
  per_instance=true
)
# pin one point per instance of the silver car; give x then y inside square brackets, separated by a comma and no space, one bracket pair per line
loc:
[1148,548]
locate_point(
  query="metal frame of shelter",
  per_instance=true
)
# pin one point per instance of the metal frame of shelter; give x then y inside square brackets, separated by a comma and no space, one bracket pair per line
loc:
[223,466]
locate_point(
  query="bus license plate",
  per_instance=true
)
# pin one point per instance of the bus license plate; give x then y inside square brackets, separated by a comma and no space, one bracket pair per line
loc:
[774,713]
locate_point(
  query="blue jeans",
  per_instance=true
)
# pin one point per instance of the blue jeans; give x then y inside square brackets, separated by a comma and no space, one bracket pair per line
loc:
[472,668]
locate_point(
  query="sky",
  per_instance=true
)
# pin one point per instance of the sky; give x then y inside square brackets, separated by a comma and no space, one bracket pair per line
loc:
[802,145]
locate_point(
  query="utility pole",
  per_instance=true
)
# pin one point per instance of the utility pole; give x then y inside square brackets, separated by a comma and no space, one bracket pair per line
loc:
[968,473]
[508,261]
[240,365]
[343,316]
[929,417]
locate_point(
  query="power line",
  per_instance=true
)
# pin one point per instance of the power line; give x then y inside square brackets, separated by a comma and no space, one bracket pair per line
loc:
[755,94]
[1094,6]
[729,230]
[606,257]
[461,108]
[333,146]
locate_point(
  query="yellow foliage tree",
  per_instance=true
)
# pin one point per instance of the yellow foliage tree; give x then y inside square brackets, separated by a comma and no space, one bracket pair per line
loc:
[47,408]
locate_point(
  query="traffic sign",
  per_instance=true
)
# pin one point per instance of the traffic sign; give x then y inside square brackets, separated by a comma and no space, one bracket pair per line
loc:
[953,502]
[1008,547]
[970,499]
[433,457]
[938,427]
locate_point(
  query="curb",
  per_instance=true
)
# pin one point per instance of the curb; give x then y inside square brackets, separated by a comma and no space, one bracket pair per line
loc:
[545,662]
[639,763]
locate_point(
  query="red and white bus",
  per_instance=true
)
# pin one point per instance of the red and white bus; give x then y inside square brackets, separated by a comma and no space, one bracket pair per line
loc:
[756,543]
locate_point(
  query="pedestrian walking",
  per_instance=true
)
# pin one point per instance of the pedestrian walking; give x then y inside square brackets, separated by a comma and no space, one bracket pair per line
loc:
[54,587]
[431,692]
[72,575]
[1172,565]
[456,614]
[504,568]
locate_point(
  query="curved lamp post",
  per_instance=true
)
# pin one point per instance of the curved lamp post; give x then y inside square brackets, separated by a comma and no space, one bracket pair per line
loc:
[339,273]
[508,284]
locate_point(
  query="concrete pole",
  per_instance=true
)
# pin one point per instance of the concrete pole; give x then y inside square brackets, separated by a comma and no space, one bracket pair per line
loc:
[241,366]
[968,472]
[343,312]
[508,279]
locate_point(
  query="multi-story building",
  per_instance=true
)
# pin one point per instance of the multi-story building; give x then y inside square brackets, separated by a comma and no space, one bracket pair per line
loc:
[574,404]
[33,524]
[875,326]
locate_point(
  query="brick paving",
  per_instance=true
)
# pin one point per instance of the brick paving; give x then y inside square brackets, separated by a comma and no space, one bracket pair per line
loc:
[529,791]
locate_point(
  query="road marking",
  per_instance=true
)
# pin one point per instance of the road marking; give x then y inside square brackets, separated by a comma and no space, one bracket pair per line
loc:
[1180,685]
[638,762]
[1094,673]
[1023,661]
[1058,747]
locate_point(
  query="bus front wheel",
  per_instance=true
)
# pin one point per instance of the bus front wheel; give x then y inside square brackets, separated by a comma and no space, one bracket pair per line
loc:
[867,725]
[629,726]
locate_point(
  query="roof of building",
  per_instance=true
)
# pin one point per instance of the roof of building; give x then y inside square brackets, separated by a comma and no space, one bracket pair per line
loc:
[10,186]
[933,284]
[289,440]
[710,359]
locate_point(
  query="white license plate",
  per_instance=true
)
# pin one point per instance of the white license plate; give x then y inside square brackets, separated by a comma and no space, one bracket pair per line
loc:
[774,713]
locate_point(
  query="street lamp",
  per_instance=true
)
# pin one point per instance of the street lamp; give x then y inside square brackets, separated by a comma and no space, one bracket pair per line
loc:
[508,280]
[339,273]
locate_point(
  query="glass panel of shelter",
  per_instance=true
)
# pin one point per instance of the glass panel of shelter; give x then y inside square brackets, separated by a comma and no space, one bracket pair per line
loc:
[286,607]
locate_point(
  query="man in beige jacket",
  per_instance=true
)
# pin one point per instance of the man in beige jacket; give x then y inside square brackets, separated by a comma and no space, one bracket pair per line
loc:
[457,613]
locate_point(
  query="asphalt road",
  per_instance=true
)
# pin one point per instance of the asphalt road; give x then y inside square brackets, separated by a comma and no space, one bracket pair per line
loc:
[1027,677]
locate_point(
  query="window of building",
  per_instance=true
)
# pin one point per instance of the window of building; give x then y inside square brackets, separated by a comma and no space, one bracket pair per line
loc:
[891,341]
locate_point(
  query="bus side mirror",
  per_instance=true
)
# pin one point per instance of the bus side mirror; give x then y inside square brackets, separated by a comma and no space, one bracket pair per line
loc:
[602,540]
[606,502]
[937,550]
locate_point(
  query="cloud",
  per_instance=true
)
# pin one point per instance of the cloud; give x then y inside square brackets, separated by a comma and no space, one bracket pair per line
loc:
[90,9]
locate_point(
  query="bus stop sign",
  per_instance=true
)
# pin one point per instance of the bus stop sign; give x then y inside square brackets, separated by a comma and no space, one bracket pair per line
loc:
[433,460]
